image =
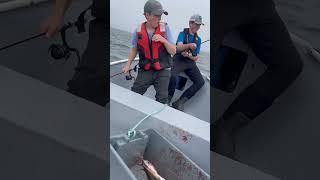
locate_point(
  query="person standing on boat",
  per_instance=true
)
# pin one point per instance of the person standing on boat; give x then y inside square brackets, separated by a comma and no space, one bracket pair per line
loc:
[259,24]
[188,46]
[154,43]
[90,79]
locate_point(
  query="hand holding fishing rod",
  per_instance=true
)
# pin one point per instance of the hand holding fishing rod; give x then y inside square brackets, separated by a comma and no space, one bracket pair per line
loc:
[51,25]
[129,76]
[192,48]
[34,37]
[50,28]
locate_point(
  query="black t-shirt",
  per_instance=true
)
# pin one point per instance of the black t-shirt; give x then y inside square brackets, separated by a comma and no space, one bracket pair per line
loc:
[99,9]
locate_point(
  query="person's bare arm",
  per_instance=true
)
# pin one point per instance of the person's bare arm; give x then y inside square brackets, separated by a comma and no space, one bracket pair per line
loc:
[52,24]
[171,48]
[61,6]
[133,53]
[151,170]
[184,47]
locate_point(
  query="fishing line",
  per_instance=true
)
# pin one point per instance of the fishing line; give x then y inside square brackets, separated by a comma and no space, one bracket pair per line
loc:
[132,132]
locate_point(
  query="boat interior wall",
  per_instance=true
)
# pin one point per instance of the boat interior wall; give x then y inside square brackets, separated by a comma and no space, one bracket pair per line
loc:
[118,168]
[222,168]
[53,113]
[181,129]
[148,144]
[26,153]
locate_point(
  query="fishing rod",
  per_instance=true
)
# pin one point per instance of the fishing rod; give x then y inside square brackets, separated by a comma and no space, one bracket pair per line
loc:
[22,41]
[193,52]
[129,76]
[116,74]
[62,31]
[205,41]
[59,51]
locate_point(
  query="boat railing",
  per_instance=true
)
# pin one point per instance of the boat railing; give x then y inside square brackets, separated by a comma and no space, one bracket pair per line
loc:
[136,59]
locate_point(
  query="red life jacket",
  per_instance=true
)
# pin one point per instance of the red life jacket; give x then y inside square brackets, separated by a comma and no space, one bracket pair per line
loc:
[152,55]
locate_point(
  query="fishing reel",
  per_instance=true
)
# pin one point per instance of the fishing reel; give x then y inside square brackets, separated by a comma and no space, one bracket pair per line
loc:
[189,51]
[192,53]
[129,76]
[63,51]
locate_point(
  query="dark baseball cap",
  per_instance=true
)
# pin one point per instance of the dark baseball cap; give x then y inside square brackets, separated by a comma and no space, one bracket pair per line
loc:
[154,7]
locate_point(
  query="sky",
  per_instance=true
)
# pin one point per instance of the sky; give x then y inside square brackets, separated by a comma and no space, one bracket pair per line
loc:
[127,14]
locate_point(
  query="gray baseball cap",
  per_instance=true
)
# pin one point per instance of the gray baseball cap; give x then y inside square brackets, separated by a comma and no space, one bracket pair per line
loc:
[196,18]
[154,7]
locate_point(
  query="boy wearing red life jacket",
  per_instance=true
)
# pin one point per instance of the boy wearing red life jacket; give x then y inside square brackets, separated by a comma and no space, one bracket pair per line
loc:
[154,43]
